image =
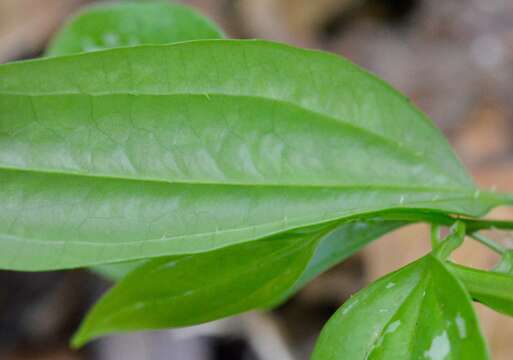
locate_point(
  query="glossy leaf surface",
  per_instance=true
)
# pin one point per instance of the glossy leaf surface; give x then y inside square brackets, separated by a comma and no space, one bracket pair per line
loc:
[332,248]
[340,244]
[128,24]
[418,312]
[494,289]
[158,150]
[191,289]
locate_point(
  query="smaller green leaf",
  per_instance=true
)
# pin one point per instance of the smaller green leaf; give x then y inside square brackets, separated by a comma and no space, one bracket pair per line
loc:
[123,24]
[494,289]
[191,289]
[127,24]
[419,312]
[338,245]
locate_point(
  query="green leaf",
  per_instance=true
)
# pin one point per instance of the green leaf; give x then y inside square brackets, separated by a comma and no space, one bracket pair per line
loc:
[418,312]
[493,289]
[350,237]
[147,151]
[128,24]
[340,244]
[185,290]
[333,248]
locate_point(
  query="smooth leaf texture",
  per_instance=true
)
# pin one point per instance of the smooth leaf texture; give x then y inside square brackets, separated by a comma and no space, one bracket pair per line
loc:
[147,151]
[332,248]
[128,24]
[493,289]
[340,244]
[125,24]
[192,289]
[418,312]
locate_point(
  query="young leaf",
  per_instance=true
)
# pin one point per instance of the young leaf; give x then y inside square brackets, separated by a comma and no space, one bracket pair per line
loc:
[418,312]
[147,151]
[494,289]
[185,290]
[128,24]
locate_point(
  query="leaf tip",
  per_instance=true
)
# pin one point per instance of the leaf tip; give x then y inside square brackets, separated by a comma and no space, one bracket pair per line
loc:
[83,335]
[79,339]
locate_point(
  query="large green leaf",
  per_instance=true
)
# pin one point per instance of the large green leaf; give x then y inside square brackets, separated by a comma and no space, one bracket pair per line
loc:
[418,312]
[345,240]
[157,150]
[332,248]
[191,289]
[494,289]
[128,24]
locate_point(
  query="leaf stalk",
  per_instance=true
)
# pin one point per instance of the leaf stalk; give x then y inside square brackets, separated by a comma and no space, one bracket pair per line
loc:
[489,243]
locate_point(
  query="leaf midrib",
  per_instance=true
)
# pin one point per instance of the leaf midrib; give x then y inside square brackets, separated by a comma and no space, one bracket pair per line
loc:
[340,216]
[400,308]
[369,186]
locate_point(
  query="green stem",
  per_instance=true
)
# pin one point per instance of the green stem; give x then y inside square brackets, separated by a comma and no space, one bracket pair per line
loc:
[476,225]
[438,218]
[489,243]
[435,235]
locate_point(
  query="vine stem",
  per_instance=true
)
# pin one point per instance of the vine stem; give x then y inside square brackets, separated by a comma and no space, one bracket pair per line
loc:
[435,235]
[489,243]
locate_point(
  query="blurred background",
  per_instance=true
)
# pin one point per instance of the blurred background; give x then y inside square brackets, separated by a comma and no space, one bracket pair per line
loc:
[454,58]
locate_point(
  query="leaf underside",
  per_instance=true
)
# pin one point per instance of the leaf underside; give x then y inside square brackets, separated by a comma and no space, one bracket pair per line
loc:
[105,26]
[158,150]
[194,149]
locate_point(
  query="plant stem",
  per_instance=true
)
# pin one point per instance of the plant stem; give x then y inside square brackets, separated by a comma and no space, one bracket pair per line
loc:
[435,235]
[489,243]
[476,225]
